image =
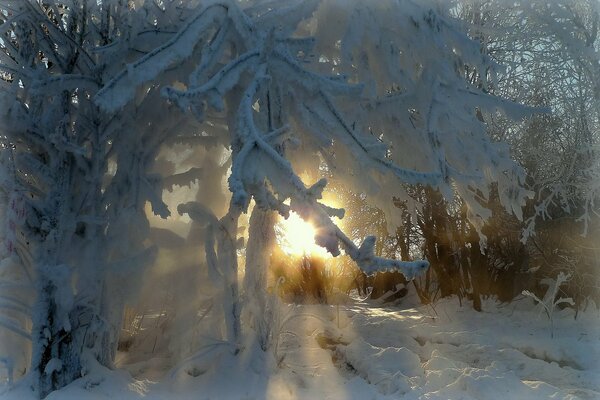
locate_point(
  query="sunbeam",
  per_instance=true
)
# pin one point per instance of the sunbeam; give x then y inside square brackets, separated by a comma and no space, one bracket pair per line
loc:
[297,237]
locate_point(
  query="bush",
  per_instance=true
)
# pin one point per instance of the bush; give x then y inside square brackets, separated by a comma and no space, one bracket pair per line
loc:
[310,278]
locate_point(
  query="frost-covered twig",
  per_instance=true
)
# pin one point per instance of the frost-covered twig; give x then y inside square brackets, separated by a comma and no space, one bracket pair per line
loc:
[550,302]
[119,90]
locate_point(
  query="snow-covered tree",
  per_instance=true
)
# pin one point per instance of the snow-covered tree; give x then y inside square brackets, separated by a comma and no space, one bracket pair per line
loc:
[54,137]
[343,86]
[551,54]
[80,177]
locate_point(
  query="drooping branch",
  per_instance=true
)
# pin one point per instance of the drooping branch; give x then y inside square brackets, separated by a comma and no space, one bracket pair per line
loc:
[120,90]
[303,200]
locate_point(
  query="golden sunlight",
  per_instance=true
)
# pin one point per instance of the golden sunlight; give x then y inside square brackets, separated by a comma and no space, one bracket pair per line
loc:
[297,237]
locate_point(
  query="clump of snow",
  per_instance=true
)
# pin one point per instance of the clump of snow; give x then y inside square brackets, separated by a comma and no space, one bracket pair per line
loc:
[390,369]
[54,364]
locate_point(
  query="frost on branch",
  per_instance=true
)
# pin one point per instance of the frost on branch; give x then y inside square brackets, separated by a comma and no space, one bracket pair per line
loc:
[370,263]
[263,77]
[550,301]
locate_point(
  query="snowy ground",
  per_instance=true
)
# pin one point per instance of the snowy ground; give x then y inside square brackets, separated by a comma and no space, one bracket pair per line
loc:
[504,352]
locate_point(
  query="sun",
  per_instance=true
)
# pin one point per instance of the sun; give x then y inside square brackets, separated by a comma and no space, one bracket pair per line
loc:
[297,237]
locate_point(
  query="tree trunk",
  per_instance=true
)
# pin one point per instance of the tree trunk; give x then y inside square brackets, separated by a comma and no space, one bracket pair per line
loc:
[227,258]
[260,241]
[56,359]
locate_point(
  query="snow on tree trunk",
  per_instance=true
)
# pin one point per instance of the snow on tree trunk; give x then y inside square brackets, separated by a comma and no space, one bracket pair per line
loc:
[56,359]
[227,256]
[221,243]
[261,239]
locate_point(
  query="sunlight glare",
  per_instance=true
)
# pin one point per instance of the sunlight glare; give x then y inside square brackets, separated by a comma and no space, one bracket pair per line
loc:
[297,237]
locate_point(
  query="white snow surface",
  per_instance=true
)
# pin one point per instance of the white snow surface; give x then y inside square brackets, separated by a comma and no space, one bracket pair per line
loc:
[399,352]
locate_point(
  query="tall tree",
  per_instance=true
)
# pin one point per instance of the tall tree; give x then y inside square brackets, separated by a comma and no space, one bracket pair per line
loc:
[82,176]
